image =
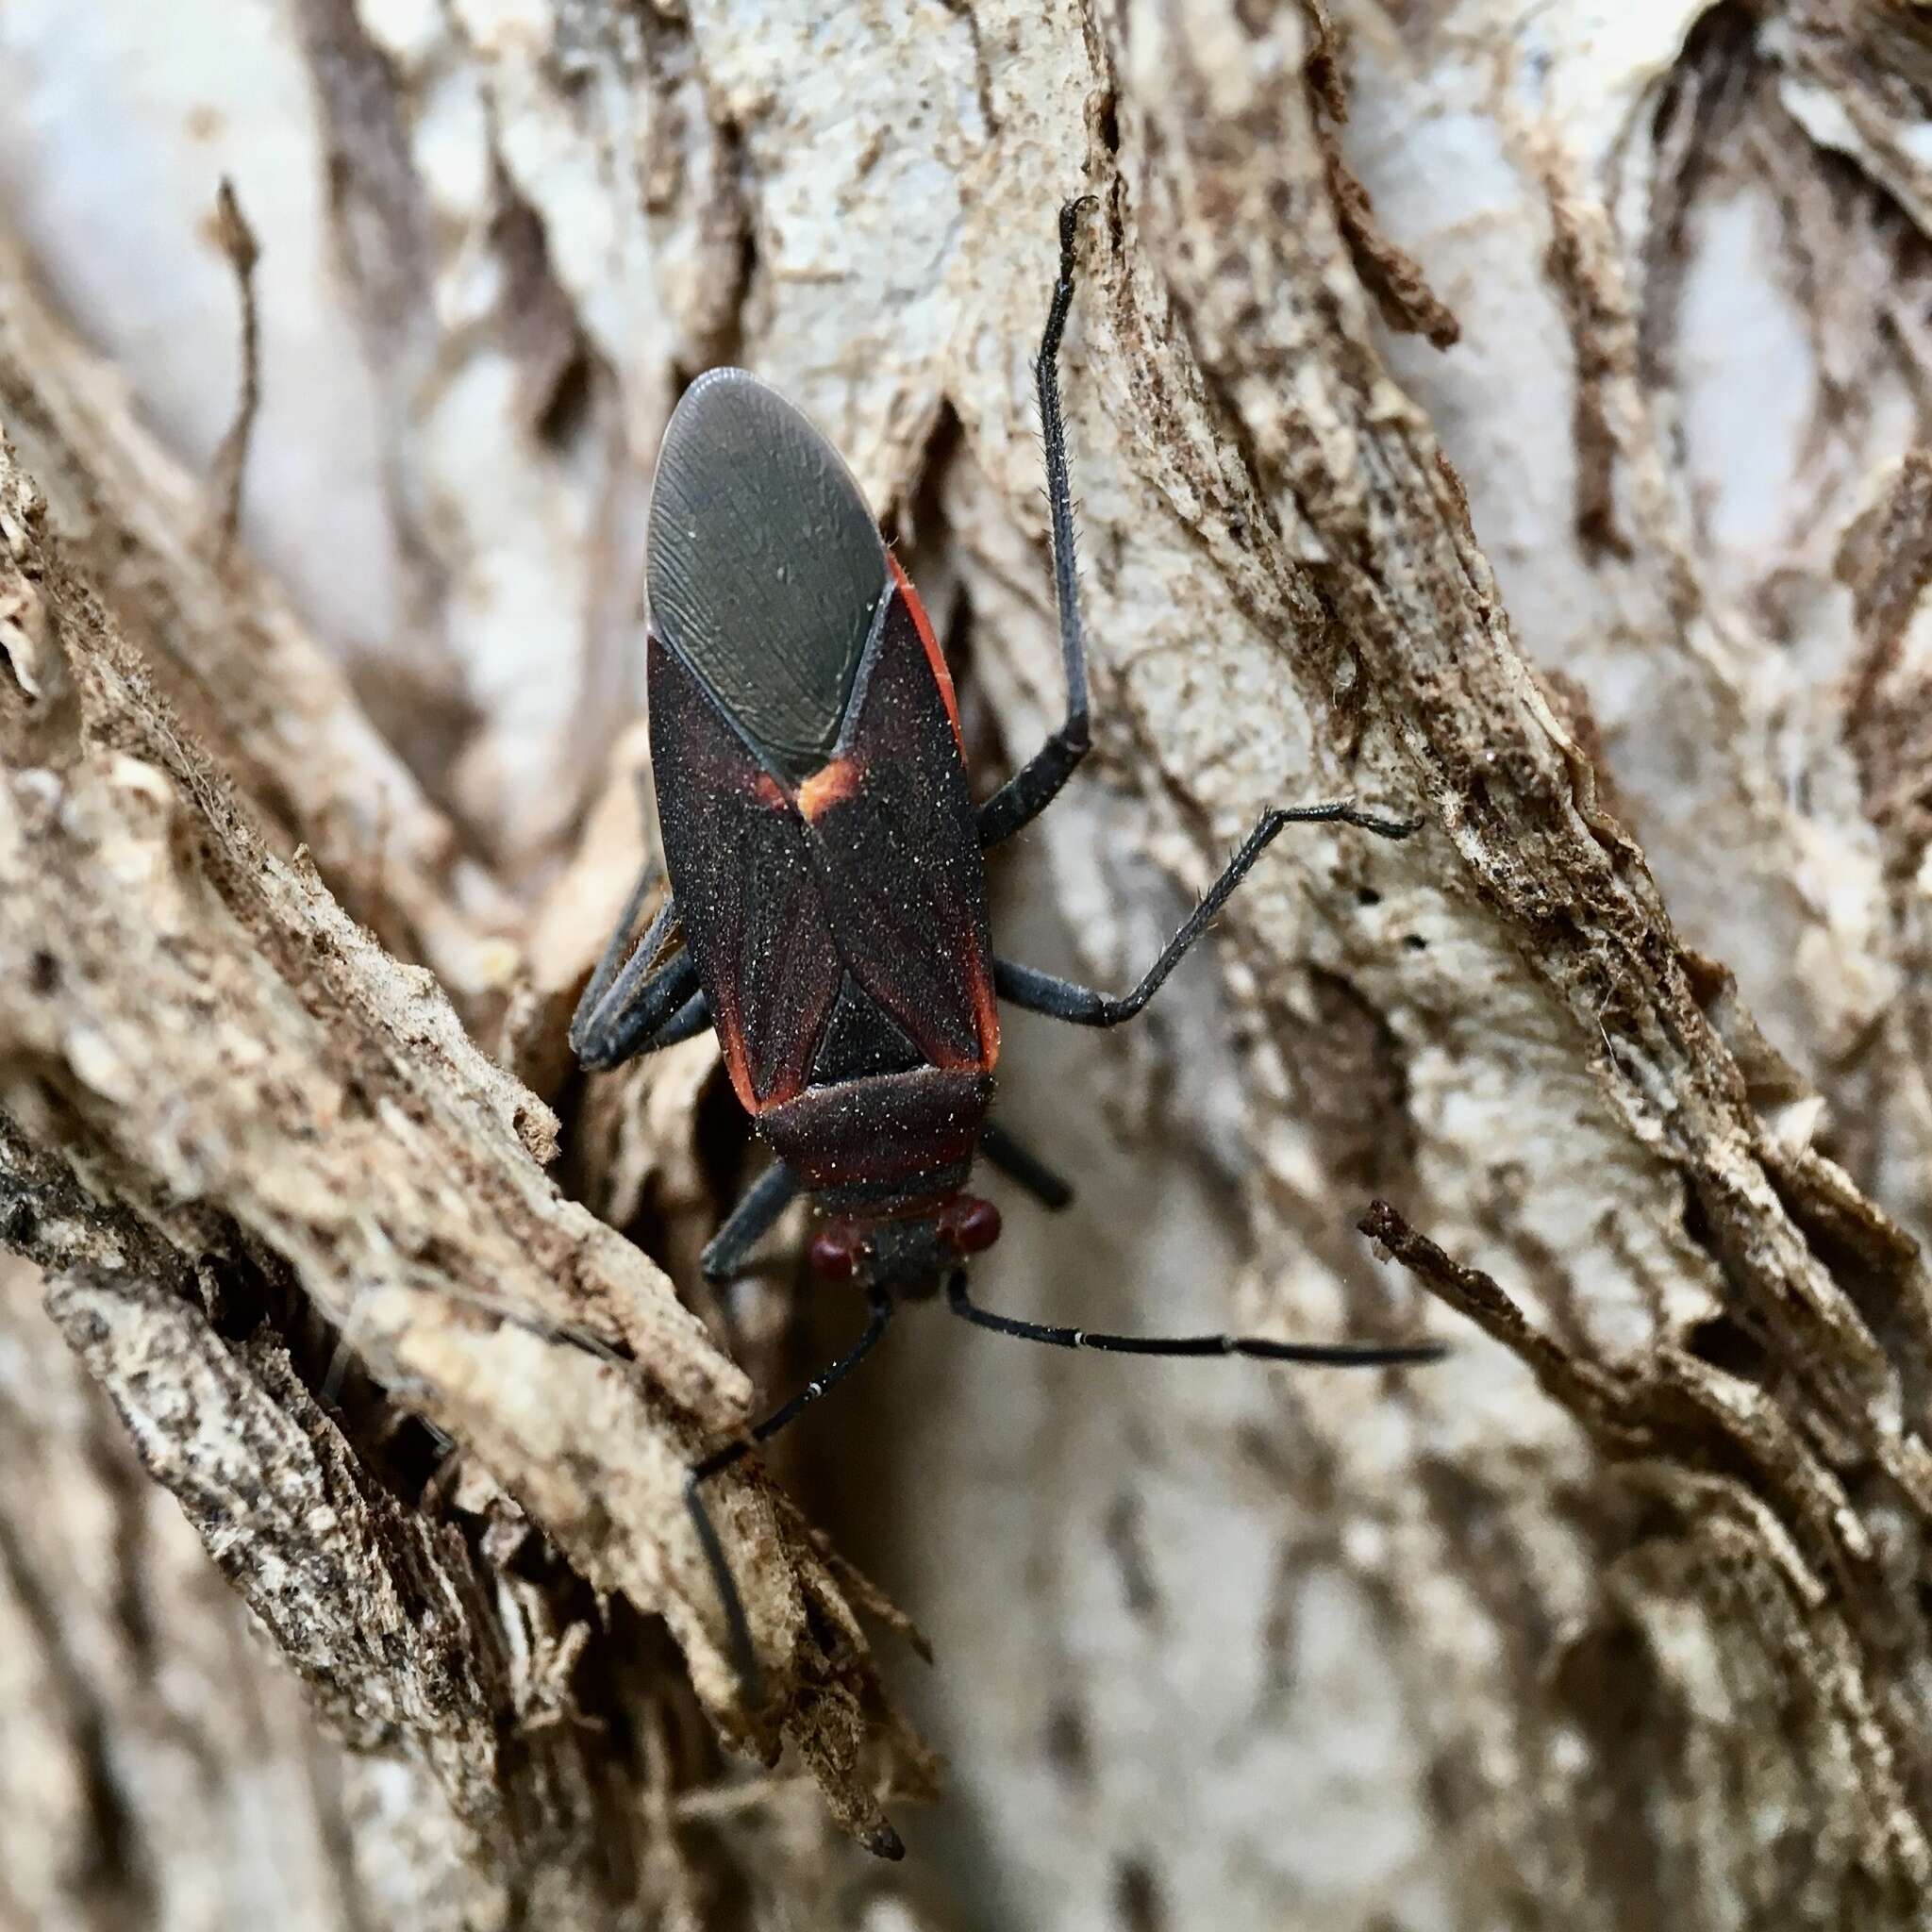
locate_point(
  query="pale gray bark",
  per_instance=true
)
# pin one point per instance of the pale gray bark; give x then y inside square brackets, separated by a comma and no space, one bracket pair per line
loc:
[1509,411]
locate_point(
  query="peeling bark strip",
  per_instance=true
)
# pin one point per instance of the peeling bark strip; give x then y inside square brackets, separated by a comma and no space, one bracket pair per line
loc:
[1887,559]
[1815,1307]
[194,1024]
[1394,277]
[229,654]
[1748,1517]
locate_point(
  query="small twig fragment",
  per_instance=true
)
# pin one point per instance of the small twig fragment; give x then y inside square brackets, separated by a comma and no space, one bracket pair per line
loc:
[1389,273]
[237,241]
[1472,1293]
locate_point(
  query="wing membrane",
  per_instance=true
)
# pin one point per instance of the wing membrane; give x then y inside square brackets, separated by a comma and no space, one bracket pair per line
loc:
[766,569]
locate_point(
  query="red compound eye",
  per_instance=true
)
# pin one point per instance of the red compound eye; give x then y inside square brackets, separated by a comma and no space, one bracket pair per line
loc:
[833,1254]
[970,1226]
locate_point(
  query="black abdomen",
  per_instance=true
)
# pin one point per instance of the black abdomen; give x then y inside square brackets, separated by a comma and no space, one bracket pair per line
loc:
[892,1143]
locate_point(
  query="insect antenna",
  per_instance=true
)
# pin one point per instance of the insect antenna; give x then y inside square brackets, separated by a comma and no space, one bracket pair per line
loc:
[1334,1354]
[743,1655]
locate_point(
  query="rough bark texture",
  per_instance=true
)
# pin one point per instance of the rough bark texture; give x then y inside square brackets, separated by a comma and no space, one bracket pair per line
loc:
[1511,412]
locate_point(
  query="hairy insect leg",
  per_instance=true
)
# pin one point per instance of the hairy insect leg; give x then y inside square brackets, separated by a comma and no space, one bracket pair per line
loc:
[618,944]
[1034,786]
[743,1655]
[1020,1165]
[1334,1354]
[693,1018]
[748,1223]
[625,1011]
[1062,999]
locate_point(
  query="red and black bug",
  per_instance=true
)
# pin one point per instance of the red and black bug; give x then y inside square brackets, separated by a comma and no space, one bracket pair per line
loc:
[827,912]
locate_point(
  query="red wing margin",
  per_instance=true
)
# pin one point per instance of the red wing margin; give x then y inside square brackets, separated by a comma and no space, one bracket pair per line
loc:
[893,823]
[748,893]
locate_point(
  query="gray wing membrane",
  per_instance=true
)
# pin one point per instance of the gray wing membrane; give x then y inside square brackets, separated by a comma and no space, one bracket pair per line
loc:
[766,570]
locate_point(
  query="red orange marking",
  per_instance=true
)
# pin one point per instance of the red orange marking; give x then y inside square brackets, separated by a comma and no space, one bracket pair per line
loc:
[827,785]
[987,1008]
[731,1037]
[934,656]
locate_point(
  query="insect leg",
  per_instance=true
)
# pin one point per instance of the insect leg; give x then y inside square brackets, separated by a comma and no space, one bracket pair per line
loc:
[1020,1164]
[626,1005]
[690,1020]
[636,1012]
[749,1222]
[1034,786]
[1061,999]
[613,956]
[1335,1354]
[743,1657]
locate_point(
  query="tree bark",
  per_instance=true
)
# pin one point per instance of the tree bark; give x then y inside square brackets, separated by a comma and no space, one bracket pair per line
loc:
[1508,414]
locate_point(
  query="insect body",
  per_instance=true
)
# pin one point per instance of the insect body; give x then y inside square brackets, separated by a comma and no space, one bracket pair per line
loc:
[828,911]
[817,824]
